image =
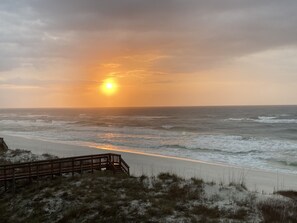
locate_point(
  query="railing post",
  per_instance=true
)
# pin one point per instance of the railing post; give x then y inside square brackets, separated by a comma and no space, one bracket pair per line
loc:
[92,164]
[37,171]
[109,157]
[30,177]
[72,167]
[5,182]
[13,180]
[52,169]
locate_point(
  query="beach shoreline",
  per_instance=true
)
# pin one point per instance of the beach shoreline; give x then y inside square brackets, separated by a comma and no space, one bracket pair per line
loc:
[153,164]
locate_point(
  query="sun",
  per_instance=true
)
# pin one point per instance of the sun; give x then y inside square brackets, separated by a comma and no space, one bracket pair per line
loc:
[109,87]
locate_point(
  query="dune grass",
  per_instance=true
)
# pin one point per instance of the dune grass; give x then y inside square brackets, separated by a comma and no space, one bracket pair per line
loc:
[106,197]
[103,197]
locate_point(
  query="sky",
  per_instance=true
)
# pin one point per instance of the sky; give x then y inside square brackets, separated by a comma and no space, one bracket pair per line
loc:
[59,53]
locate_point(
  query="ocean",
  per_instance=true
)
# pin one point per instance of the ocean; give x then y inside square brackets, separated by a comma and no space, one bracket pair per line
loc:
[260,137]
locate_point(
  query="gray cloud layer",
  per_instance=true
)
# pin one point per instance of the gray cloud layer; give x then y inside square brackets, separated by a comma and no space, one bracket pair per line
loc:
[194,34]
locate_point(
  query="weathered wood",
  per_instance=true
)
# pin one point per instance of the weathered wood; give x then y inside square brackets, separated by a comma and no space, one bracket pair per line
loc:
[10,173]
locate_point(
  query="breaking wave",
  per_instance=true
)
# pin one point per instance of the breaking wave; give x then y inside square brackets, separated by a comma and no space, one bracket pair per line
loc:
[266,120]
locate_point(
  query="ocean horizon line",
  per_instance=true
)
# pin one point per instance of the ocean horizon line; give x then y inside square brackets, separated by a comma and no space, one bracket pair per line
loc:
[154,106]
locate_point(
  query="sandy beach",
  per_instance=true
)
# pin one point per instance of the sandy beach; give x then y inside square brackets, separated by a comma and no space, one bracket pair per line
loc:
[151,164]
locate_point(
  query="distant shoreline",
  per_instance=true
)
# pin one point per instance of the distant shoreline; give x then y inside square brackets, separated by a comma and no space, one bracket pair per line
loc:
[150,165]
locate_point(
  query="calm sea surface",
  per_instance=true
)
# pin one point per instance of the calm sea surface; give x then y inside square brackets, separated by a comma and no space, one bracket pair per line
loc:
[258,137]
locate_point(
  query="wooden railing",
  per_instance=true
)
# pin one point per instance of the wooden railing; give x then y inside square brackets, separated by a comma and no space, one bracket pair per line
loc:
[34,170]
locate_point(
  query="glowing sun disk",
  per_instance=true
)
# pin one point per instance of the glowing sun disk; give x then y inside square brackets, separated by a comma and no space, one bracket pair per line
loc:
[109,87]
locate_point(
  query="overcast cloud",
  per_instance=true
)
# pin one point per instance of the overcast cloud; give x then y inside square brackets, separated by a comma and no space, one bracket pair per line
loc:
[191,31]
[187,35]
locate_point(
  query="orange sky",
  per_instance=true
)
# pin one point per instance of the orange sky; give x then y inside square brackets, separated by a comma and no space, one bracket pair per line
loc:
[58,53]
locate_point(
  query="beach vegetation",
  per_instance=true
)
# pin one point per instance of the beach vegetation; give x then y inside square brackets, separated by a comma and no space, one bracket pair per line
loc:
[169,177]
[103,196]
[288,193]
[238,185]
[275,210]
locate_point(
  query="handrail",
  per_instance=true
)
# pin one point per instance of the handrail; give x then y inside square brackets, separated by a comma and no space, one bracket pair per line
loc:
[36,169]
[125,166]
[112,166]
[62,159]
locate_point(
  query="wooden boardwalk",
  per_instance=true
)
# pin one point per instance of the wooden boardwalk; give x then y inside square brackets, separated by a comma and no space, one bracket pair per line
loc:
[11,173]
